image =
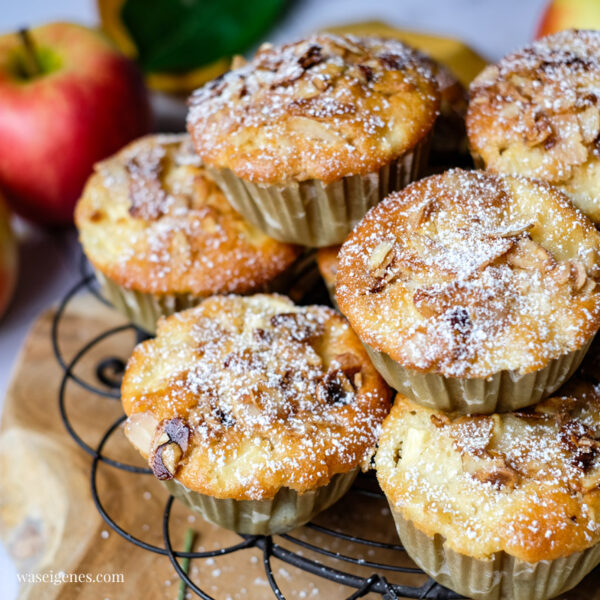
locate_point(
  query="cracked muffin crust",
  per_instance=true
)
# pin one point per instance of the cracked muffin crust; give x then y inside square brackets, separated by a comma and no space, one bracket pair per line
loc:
[321,108]
[537,113]
[526,482]
[152,219]
[466,274]
[243,396]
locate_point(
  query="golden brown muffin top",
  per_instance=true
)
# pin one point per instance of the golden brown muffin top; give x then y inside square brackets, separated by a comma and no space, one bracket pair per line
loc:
[321,108]
[526,482]
[152,219]
[537,113]
[469,273]
[242,396]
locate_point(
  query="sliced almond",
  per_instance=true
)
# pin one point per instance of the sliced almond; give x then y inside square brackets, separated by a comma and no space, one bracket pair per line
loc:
[419,214]
[561,274]
[520,81]
[537,129]
[589,287]
[163,438]
[238,61]
[140,429]
[306,89]
[165,460]
[578,274]
[570,146]
[429,303]
[528,254]
[313,129]
[380,256]
[345,44]
[516,230]
[508,112]
[589,121]
[488,76]
[390,82]
[590,481]
[320,83]
[331,71]
[313,56]
[170,445]
[384,269]
[148,198]
[357,380]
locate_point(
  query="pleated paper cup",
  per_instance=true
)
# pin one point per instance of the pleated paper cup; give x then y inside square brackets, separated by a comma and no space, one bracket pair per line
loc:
[313,213]
[285,511]
[502,392]
[144,309]
[502,576]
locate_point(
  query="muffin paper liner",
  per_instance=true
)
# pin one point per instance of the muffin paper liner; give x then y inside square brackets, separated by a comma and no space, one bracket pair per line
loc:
[144,309]
[316,214]
[502,392]
[502,576]
[285,511]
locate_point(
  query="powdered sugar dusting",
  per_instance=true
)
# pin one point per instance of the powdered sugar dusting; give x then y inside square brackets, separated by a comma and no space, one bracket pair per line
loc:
[522,482]
[323,107]
[537,112]
[269,401]
[467,274]
[154,220]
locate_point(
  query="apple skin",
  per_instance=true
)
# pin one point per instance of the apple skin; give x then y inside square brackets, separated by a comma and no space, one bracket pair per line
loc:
[55,126]
[8,259]
[568,14]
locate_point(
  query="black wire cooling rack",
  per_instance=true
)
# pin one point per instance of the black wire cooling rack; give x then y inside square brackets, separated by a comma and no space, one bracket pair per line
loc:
[287,548]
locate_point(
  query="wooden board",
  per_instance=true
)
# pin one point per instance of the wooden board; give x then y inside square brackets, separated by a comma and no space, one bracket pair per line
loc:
[49,523]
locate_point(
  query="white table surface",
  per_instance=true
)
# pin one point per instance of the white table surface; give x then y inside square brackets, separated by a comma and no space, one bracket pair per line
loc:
[49,260]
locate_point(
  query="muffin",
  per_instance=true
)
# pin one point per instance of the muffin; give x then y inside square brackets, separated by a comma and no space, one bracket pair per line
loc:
[473,292]
[257,413]
[161,235]
[498,507]
[537,113]
[327,263]
[306,137]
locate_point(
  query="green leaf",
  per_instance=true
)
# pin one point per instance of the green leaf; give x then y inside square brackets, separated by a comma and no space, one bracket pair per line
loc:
[181,35]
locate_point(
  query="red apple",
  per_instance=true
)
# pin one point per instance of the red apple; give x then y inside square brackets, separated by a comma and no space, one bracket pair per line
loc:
[568,14]
[67,100]
[8,258]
